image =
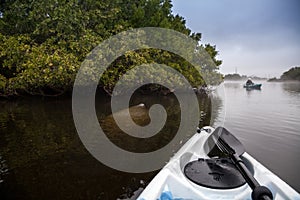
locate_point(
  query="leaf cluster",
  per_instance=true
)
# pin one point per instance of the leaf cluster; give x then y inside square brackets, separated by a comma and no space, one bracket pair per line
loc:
[43,43]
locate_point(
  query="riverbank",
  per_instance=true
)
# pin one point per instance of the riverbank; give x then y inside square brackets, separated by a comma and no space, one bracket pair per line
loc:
[146,90]
[282,80]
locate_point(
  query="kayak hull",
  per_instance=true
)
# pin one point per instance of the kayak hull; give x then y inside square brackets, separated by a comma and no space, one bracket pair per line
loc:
[171,183]
[253,86]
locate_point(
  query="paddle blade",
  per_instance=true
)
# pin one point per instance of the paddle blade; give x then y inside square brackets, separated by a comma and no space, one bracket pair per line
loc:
[228,138]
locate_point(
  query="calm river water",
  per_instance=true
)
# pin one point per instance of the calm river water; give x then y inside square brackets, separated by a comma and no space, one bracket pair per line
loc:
[267,121]
[42,157]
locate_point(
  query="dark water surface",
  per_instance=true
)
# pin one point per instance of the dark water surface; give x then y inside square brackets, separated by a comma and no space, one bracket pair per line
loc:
[42,157]
[267,121]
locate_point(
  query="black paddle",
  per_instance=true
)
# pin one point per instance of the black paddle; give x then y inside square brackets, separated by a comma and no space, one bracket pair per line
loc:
[232,147]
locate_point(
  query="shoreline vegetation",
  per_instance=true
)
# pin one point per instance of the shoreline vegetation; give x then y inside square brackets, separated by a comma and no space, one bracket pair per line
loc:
[43,44]
[238,77]
[292,75]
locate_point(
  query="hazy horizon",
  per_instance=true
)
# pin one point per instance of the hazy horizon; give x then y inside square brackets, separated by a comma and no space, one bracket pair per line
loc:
[254,37]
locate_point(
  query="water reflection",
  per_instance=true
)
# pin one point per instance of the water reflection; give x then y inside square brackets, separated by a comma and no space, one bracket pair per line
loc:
[251,92]
[293,88]
[3,169]
[41,156]
[46,160]
[140,116]
[267,123]
[216,114]
[233,84]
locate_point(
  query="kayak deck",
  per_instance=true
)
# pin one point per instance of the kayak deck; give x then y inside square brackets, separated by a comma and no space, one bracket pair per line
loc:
[171,183]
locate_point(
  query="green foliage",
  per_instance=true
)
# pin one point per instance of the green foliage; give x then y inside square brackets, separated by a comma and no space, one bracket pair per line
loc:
[48,66]
[44,42]
[235,77]
[292,74]
[2,83]
[36,69]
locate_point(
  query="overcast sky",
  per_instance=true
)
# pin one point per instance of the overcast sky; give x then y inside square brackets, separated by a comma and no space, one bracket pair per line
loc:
[258,37]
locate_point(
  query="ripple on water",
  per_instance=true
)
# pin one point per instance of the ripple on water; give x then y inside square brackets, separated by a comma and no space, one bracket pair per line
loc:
[268,124]
[3,169]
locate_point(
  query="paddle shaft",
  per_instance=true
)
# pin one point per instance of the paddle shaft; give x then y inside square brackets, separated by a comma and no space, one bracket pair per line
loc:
[252,182]
[244,171]
[231,146]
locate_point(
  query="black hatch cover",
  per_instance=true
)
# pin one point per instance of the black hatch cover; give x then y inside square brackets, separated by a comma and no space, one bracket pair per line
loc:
[217,173]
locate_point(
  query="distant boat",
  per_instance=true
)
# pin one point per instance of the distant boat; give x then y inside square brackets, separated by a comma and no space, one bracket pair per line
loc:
[253,86]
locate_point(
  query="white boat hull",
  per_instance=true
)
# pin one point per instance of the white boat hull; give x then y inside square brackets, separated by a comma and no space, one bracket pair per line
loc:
[171,181]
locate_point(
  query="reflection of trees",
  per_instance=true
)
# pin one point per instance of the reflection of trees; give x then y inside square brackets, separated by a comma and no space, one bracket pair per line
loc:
[291,87]
[205,110]
[45,158]
[36,129]
[3,169]
[140,116]
[216,106]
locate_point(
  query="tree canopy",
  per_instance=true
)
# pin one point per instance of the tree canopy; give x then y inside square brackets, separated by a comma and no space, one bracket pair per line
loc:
[44,42]
[235,77]
[292,74]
